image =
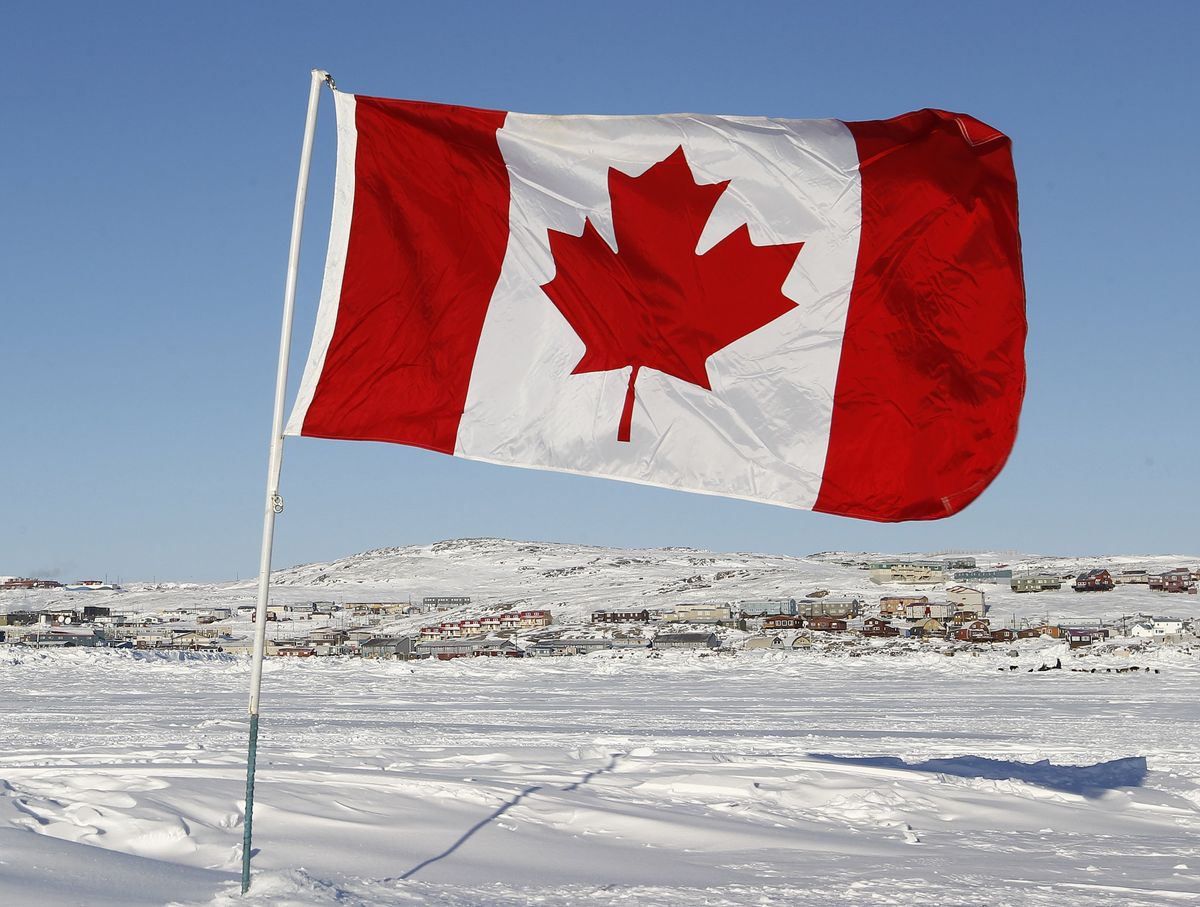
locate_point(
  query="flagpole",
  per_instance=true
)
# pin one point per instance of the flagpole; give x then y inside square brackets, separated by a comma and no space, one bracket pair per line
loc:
[274,503]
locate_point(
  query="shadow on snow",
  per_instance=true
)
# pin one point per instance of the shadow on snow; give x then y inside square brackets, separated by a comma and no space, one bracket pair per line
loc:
[501,810]
[1087,780]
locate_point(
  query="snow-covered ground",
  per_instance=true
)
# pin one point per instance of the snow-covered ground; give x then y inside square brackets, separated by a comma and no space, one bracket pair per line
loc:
[765,779]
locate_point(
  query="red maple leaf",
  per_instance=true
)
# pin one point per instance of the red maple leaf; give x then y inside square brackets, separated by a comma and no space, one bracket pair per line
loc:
[653,302]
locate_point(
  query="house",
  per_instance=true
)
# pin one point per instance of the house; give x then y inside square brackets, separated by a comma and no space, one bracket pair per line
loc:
[192,639]
[909,574]
[984,576]
[377,609]
[379,647]
[1035,582]
[296,651]
[446,649]
[20,582]
[503,648]
[510,620]
[877,626]
[686,641]
[621,617]
[537,618]
[326,636]
[64,637]
[975,631]
[404,648]
[443,602]
[568,646]
[1004,634]
[894,605]
[1157,627]
[960,563]
[928,609]
[966,599]
[840,608]
[152,638]
[490,623]
[244,645]
[63,615]
[629,641]
[18,619]
[823,624]
[782,622]
[1097,580]
[1177,580]
[700,613]
[1084,636]
[1051,630]
[432,632]
[764,606]
[965,616]
[1132,577]
[930,627]
[470,626]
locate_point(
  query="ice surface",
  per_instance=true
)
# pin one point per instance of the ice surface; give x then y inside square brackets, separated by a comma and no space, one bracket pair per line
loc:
[765,779]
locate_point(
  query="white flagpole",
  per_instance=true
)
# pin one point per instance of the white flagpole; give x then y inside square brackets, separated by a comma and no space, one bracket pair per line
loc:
[274,503]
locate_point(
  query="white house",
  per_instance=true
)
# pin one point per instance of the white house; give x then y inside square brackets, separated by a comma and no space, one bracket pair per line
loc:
[966,598]
[909,574]
[700,613]
[1157,627]
[926,610]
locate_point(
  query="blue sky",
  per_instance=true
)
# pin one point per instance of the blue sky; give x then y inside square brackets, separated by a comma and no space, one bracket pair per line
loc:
[149,154]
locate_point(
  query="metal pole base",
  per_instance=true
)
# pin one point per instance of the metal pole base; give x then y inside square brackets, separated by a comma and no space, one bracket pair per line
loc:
[247,825]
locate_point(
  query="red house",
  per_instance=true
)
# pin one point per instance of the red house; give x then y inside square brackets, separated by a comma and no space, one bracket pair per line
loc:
[825,624]
[1177,580]
[1098,580]
[783,622]
[975,631]
[876,626]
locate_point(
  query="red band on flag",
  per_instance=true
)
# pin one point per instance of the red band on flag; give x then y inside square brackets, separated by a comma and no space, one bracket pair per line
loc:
[931,376]
[427,240]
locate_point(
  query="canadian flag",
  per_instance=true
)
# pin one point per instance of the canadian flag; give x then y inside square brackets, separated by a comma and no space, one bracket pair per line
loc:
[814,313]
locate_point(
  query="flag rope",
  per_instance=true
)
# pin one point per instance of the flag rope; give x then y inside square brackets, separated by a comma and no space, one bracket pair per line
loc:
[274,502]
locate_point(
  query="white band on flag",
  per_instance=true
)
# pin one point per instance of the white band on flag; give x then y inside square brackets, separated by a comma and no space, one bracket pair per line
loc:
[335,260]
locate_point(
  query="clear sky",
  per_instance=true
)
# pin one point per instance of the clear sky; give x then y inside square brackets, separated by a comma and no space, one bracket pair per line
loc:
[149,156]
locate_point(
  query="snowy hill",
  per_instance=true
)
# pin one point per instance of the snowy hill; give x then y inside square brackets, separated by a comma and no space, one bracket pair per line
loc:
[573,580]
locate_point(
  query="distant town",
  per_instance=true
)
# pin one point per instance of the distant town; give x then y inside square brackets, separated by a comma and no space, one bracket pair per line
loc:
[959,613]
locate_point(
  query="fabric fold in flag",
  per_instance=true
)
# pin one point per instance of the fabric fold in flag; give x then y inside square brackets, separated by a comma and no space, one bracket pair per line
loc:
[821,314]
